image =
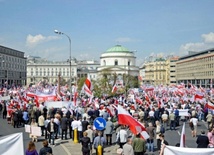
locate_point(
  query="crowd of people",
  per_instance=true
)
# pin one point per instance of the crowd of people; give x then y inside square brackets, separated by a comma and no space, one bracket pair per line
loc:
[157,118]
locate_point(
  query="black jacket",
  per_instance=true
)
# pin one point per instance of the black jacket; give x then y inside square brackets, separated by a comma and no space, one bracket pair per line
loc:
[202,141]
[49,127]
[86,144]
[64,123]
[45,150]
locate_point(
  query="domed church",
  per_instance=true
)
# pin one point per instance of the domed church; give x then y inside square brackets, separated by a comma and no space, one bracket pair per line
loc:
[119,60]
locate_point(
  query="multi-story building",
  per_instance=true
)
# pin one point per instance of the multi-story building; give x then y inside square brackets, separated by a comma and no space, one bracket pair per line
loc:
[87,68]
[12,66]
[156,72]
[39,69]
[172,70]
[196,68]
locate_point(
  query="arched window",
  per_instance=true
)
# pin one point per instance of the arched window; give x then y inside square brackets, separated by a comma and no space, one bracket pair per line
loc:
[115,62]
[104,62]
[129,63]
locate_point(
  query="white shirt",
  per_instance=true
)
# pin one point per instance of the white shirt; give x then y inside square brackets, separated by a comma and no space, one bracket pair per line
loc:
[151,113]
[79,125]
[56,121]
[194,121]
[123,135]
[74,124]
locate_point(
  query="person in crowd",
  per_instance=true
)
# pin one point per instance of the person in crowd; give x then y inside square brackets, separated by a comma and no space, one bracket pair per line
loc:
[99,140]
[74,126]
[139,145]
[164,118]
[90,133]
[177,117]
[172,120]
[41,123]
[33,137]
[57,119]
[108,131]
[106,115]
[15,119]
[46,150]
[128,148]
[37,114]
[194,121]
[31,149]
[122,136]
[202,140]
[150,141]
[25,117]
[4,113]
[163,141]
[70,120]
[79,128]
[210,136]
[209,119]
[86,144]
[64,127]
[51,130]
[158,131]
[45,112]
[46,125]
[85,124]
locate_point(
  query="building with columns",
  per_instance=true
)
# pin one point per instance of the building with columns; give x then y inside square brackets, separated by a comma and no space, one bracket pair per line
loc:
[196,68]
[119,60]
[12,66]
[39,69]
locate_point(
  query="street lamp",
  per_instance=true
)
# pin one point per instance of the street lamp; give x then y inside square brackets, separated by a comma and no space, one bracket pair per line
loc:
[61,33]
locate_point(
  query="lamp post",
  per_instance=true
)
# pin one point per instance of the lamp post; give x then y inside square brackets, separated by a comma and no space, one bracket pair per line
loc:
[69,39]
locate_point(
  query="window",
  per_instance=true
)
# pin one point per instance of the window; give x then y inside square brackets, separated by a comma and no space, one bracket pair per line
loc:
[115,62]
[129,63]
[104,62]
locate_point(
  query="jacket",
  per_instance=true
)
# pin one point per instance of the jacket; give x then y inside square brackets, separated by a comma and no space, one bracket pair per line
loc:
[64,123]
[86,144]
[109,127]
[202,141]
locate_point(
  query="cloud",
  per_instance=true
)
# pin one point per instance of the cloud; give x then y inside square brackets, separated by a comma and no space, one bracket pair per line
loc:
[207,43]
[37,39]
[208,38]
[125,40]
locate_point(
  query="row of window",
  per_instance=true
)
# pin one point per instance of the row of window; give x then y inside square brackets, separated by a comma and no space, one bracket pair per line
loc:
[116,63]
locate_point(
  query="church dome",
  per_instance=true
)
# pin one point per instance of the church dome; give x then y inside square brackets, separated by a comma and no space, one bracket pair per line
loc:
[117,49]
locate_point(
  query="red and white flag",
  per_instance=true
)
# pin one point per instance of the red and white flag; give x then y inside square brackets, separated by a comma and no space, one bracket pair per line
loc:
[210,105]
[182,140]
[88,87]
[199,96]
[125,118]
[114,89]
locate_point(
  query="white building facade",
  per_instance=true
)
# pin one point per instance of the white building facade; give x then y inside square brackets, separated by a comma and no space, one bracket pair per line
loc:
[119,60]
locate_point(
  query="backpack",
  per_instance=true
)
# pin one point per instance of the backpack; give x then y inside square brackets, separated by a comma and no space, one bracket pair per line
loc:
[162,129]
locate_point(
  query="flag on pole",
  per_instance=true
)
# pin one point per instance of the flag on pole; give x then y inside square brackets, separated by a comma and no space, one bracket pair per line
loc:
[88,87]
[114,89]
[125,118]
[182,140]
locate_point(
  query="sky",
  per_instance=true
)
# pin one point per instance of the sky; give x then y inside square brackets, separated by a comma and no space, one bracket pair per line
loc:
[147,27]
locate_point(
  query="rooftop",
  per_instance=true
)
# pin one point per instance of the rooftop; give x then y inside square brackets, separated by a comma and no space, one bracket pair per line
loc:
[118,49]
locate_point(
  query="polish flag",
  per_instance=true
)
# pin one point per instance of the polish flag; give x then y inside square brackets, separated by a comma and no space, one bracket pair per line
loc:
[199,95]
[114,89]
[125,118]
[110,110]
[88,87]
[210,105]
[138,100]
[182,140]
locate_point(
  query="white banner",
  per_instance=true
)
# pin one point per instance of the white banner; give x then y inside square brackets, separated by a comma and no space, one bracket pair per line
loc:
[172,150]
[36,131]
[27,128]
[4,98]
[12,144]
[57,104]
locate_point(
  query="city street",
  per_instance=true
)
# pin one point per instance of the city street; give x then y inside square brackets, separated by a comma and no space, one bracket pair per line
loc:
[172,137]
[7,129]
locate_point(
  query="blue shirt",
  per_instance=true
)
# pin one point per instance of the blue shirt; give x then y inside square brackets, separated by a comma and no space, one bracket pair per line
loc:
[99,141]
[25,116]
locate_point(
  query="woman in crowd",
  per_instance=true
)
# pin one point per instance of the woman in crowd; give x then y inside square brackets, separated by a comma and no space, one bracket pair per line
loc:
[86,144]
[46,149]
[31,150]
